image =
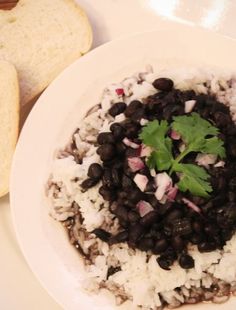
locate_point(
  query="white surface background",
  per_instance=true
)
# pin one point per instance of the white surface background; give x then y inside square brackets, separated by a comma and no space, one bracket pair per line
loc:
[19,289]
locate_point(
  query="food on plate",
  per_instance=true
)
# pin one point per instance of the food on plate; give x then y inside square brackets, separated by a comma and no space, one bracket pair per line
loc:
[146,189]
[41,38]
[9,115]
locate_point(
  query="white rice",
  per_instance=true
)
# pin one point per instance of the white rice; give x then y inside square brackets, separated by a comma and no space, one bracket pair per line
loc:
[140,279]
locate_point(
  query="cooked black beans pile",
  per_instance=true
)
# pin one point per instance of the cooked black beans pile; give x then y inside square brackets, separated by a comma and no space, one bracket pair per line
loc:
[170,227]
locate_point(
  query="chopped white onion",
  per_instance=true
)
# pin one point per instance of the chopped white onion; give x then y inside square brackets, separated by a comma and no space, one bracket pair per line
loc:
[191,205]
[189,105]
[144,207]
[128,142]
[205,159]
[163,183]
[135,163]
[145,151]
[220,163]
[141,181]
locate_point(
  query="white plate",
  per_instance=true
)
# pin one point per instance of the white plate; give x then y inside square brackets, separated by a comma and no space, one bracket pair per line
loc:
[55,116]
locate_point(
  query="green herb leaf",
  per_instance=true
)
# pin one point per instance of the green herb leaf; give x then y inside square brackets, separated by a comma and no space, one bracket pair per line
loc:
[193,178]
[154,135]
[214,146]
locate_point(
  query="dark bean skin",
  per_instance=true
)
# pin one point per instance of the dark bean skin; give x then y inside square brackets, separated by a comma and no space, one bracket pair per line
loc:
[164,262]
[135,232]
[186,261]
[107,180]
[197,226]
[102,234]
[196,238]
[221,119]
[95,171]
[131,130]
[149,219]
[177,243]
[133,216]
[116,177]
[127,182]
[182,227]
[163,84]
[120,237]
[211,229]
[117,131]
[107,194]
[173,215]
[106,152]
[88,183]
[206,247]
[145,244]
[105,137]
[160,246]
[138,114]
[132,107]
[112,270]
[122,213]
[135,195]
[120,148]
[117,108]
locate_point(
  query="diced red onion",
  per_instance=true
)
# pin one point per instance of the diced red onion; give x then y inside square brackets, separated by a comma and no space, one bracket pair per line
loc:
[120,91]
[206,159]
[163,183]
[144,207]
[175,135]
[220,163]
[141,181]
[189,105]
[145,151]
[135,163]
[172,192]
[191,205]
[128,142]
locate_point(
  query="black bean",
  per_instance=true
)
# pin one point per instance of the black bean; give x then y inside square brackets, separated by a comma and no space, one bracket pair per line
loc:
[197,226]
[120,148]
[164,262]
[167,229]
[95,171]
[107,194]
[231,147]
[149,219]
[232,184]
[145,244]
[117,108]
[105,137]
[107,180]
[102,234]
[173,215]
[132,107]
[160,246]
[153,201]
[131,130]
[127,182]
[130,152]
[231,196]
[182,226]
[135,195]
[186,261]
[177,243]
[138,114]
[133,216]
[206,246]
[106,152]
[221,119]
[135,232]
[163,84]
[117,131]
[116,177]
[121,212]
[211,229]
[112,270]
[120,237]
[197,238]
[88,183]
[151,186]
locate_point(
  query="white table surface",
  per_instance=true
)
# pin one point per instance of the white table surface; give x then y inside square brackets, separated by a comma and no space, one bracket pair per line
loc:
[19,288]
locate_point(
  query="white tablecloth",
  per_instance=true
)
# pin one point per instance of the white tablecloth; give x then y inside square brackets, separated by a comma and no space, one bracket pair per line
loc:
[19,289]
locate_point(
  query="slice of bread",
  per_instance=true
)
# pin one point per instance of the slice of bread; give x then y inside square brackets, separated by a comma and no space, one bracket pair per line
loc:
[9,116]
[41,38]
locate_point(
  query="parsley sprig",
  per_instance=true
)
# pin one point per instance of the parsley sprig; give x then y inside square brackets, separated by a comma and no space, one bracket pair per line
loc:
[198,135]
